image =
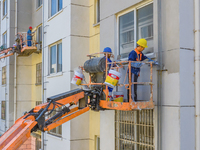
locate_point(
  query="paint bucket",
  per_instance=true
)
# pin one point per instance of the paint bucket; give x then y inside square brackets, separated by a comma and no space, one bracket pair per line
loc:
[112,78]
[109,96]
[77,79]
[118,96]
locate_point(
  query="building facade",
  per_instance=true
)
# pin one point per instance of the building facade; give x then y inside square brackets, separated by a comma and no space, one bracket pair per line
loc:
[71,29]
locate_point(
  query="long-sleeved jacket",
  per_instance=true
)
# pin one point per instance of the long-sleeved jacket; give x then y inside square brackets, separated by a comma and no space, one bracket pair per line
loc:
[135,55]
[29,36]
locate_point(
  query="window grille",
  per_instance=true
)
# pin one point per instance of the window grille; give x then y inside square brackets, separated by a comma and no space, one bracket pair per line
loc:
[39,74]
[4,75]
[134,130]
[3,110]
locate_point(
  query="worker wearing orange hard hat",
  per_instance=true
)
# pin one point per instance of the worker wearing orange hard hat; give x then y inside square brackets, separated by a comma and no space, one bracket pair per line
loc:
[137,55]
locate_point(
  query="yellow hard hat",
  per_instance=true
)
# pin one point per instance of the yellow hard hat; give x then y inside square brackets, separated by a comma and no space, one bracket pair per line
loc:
[142,42]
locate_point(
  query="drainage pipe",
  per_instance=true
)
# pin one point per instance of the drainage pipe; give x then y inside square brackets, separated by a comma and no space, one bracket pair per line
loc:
[159,77]
[197,70]
[15,69]
[43,100]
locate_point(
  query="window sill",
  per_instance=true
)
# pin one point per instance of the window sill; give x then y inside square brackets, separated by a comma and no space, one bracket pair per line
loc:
[55,135]
[4,85]
[37,84]
[56,14]
[39,7]
[55,75]
[4,16]
[96,24]
[149,55]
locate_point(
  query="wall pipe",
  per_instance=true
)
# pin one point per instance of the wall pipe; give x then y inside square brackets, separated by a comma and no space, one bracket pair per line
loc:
[197,71]
[15,69]
[43,100]
[159,77]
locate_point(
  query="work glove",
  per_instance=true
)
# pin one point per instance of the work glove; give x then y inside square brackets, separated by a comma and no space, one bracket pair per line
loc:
[153,62]
[136,65]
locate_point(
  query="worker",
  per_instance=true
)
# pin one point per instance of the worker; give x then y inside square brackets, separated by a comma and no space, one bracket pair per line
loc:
[137,55]
[29,36]
[108,50]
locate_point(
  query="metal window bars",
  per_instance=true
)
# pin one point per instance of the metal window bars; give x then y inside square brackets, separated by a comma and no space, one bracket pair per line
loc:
[134,130]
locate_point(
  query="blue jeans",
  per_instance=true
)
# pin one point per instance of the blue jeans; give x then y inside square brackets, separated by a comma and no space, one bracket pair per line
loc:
[29,43]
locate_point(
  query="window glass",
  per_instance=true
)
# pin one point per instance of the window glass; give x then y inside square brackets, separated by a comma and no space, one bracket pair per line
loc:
[60,5]
[59,59]
[3,110]
[39,74]
[97,11]
[134,129]
[39,34]
[53,7]
[145,26]
[53,59]
[144,23]
[4,7]
[5,40]
[39,3]
[126,34]
[4,75]
[58,130]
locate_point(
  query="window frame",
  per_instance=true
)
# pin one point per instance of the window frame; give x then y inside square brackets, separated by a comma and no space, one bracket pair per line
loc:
[58,127]
[5,40]
[57,8]
[39,3]
[97,12]
[5,13]
[3,117]
[135,9]
[55,44]
[38,70]
[136,128]
[3,82]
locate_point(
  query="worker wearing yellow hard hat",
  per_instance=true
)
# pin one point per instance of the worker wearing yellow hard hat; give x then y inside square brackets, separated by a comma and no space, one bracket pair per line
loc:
[137,55]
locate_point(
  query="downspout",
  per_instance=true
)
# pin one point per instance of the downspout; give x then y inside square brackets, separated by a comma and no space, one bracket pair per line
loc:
[15,69]
[197,71]
[43,134]
[159,78]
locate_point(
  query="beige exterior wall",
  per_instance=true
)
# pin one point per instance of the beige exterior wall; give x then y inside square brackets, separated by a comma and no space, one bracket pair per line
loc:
[94,29]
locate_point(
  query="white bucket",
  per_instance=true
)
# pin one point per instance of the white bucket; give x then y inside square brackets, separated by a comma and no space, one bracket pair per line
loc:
[109,96]
[77,79]
[112,78]
[118,96]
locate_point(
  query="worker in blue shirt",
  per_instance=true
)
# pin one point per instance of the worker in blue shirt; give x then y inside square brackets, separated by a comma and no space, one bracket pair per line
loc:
[137,55]
[29,36]
[108,50]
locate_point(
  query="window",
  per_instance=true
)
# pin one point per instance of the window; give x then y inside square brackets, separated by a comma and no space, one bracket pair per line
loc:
[38,103]
[4,75]
[5,40]
[39,35]
[38,74]
[97,11]
[134,130]
[5,2]
[56,58]
[58,130]
[97,141]
[133,26]
[39,3]
[56,6]
[3,110]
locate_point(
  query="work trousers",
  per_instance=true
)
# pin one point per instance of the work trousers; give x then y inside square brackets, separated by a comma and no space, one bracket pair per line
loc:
[133,87]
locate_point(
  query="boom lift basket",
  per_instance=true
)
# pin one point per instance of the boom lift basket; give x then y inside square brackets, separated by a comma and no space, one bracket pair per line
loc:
[130,105]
